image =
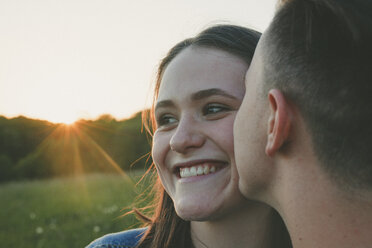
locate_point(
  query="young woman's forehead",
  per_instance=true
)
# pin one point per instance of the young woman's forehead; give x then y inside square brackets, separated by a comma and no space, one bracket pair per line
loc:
[195,70]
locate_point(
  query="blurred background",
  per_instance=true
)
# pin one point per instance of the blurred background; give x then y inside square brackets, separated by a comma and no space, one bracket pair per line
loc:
[74,78]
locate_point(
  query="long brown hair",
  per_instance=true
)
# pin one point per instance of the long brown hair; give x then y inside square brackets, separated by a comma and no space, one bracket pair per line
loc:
[165,228]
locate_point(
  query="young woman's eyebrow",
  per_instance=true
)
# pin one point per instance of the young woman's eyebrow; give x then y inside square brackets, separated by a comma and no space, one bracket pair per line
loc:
[164,104]
[197,96]
[210,92]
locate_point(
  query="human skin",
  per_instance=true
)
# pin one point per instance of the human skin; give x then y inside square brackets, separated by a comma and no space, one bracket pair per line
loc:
[200,93]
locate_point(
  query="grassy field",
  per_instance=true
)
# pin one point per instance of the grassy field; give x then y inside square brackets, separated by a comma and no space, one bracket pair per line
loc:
[68,212]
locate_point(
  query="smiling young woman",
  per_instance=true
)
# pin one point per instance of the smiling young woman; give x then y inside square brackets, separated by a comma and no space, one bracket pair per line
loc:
[194,131]
[199,89]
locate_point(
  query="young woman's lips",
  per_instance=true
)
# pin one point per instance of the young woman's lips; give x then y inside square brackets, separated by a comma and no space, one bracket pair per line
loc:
[198,168]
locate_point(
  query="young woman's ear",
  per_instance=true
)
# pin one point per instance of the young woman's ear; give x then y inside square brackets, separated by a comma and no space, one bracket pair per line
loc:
[279,122]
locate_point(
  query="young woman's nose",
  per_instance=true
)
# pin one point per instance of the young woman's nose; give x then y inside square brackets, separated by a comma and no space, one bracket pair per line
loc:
[187,136]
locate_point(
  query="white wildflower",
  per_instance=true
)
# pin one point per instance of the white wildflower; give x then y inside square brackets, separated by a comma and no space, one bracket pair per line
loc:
[39,230]
[96,229]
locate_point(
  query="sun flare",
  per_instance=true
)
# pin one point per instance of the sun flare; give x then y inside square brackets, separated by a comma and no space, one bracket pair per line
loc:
[66,119]
[69,122]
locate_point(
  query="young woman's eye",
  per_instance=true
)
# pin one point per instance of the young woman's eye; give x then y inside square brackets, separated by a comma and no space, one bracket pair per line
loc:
[166,119]
[211,109]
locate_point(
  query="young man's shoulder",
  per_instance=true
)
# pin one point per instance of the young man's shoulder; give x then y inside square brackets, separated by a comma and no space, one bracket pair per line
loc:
[125,239]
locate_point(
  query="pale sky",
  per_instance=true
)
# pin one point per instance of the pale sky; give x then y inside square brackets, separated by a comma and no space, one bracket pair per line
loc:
[61,60]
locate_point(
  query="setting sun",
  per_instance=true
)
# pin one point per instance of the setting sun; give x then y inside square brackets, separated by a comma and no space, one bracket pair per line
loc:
[65,118]
[68,122]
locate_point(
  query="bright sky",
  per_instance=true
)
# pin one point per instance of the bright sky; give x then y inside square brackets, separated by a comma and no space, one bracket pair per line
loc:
[62,60]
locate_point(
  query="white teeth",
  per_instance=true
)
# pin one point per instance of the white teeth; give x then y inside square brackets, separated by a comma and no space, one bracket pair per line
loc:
[197,170]
[185,172]
[200,170]
[206,169]
[193,171]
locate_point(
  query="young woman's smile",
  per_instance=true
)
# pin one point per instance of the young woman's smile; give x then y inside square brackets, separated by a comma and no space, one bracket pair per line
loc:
[200,93]
[198,168]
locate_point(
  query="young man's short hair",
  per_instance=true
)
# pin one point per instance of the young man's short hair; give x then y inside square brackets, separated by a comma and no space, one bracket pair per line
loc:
[319,54]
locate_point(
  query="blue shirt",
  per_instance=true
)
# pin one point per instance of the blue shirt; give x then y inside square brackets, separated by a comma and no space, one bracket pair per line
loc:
[125,239]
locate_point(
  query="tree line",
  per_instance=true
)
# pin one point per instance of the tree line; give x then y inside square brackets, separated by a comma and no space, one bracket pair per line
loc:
[33,149]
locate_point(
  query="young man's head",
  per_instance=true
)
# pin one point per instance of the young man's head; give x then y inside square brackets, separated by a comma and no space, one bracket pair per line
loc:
[312,67]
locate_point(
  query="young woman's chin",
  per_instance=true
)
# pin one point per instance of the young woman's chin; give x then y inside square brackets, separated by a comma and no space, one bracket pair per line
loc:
[196,213]
[207,208]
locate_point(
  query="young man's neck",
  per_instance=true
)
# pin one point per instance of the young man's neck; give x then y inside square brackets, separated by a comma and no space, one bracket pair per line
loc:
[319,214]
[247,227]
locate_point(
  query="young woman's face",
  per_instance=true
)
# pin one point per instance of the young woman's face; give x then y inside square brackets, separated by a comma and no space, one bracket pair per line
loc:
[200,93]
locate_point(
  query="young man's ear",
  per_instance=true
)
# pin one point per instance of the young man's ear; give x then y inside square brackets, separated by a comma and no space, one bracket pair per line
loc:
[279,122]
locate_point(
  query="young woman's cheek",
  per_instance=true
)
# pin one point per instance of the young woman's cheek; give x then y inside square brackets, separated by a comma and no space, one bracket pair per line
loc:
[222,133]
[156,147]
[160,148]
